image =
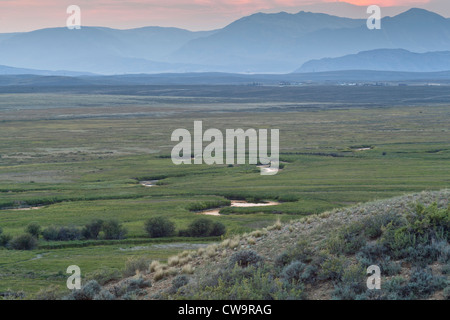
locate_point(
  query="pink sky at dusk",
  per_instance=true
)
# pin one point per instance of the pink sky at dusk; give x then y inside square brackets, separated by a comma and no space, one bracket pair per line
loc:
[26,15]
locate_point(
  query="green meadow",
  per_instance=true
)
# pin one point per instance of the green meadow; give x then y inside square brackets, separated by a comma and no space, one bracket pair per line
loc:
[79,157]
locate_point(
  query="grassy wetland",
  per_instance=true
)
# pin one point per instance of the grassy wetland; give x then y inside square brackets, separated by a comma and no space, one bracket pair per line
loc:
[69,156]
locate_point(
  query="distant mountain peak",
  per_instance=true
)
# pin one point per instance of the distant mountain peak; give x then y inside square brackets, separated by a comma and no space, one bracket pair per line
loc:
[419,13]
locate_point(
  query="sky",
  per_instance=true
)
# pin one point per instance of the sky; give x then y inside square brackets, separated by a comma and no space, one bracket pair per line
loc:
[27,15]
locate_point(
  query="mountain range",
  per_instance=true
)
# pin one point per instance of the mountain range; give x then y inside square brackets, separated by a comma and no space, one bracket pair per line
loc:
[260,43]
[382,60]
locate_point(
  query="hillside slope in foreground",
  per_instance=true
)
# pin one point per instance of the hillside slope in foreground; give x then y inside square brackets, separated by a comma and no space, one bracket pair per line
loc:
[319,257]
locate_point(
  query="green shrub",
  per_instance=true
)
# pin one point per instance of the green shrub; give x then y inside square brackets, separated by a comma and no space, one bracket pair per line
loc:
[429,221]
[158,227]
[217,229]
[112,229]
[205,205]
[69,233]
[204,227]
[5,239]
[333,268]
[50,233]
[373,226]
[422,239]
[200,228]
[92,230]
[34,229]
[347,240]
[53,233]
[300,252]
[23,242]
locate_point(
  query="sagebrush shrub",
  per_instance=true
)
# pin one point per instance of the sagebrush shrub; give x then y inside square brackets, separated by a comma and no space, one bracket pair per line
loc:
[333,268]
[446,269]
[282,260]
[105,275]
[87,292]
[301,252]
[178,282]
[447,293]
[351,284]
[309,275]
[378,254]
[50,293]
[347,240]
[292,273]
[104,295]
[136,284]
[247,284]
[136,264]
[373,226]
[423,283]
[245,258]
